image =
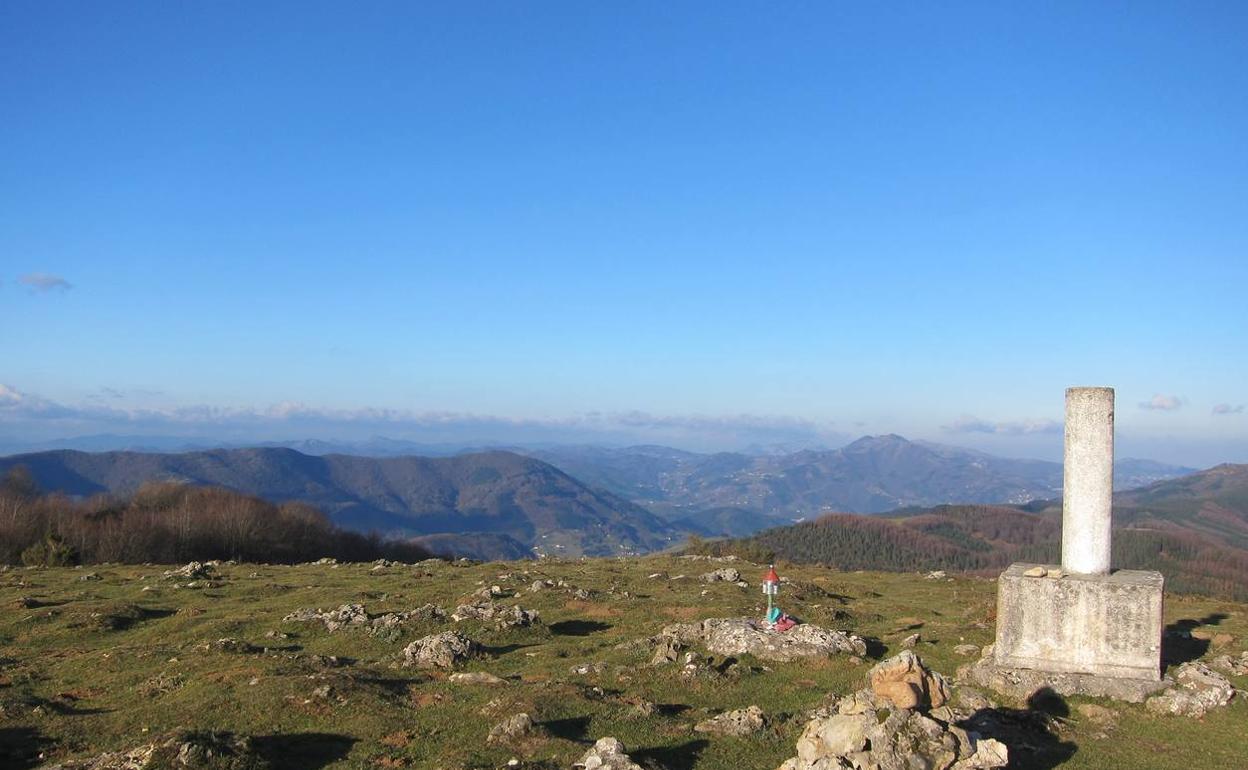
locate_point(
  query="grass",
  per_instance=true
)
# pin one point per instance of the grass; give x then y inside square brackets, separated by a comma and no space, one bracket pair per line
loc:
[101,665]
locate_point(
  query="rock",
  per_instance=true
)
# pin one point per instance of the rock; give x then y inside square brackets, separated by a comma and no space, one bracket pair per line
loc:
[192,571]
[1036,572]
[1235,666]
[1197,690]
[234,646]
[346,615]
[906,683]
[910,641]
[326,560]
[1055,573]
[966,649]
[502,616]
[938,574]
[512,729]
[584,669]
[607,754]
[735,723]
[476,677]
[972,700]
[738,636]
[865,732]
[725,575]
[186,751]
[90,576]
[666,650]
[442,650]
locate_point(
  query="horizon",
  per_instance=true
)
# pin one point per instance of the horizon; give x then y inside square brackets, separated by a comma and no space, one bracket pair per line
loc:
[705,230]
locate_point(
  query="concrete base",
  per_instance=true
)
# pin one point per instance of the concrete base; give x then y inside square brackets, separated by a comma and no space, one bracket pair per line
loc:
[1021,684]
[1096,625]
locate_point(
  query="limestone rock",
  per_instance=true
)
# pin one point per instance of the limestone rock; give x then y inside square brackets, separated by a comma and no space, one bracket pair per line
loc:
[736,723]
[911,641]
[502,616]
[906,683]
[607,754]
[476,677]
[737,636]
[1036,572]
[966,649]
[187,751]
[512,729]
[442,650]
[1236,666]
[666,650]
[191,571]
[1197,690]
[864,732]
[725,575]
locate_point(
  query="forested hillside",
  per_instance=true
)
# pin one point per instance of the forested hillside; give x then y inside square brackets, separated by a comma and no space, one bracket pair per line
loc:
[987,539]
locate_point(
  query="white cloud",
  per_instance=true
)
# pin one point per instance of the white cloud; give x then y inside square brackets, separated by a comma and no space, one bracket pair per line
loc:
[1162,403]
[969,424]
[41,283]
[1228,409]
[110,413]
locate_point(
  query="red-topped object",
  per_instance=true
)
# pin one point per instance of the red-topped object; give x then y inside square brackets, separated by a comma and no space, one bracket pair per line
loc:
[771,576]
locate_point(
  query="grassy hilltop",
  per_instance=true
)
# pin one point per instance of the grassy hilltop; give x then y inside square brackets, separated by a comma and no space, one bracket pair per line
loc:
[92,665]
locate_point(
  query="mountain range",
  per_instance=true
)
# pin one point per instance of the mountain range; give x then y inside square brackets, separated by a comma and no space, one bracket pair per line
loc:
[489,504]
[580,500]
[874,474]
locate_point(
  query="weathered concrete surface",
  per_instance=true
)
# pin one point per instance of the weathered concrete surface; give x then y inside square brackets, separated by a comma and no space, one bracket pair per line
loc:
[1088,480]
[1021,683]
[1102,625]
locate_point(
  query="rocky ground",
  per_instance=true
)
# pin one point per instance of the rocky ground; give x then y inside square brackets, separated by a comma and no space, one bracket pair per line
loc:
[639,663]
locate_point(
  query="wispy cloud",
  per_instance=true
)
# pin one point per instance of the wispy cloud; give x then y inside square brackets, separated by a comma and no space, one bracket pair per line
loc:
[1228,409]
[42,283]
[968,424]
[1162,403]
[109,412]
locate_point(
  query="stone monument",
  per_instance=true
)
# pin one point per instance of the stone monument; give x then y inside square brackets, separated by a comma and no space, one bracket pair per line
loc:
[1082,627]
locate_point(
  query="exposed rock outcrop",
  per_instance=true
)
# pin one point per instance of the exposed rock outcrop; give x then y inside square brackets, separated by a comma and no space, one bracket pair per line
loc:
[442,650]
[866,732]
[735,723]
[737,636]
[188,750]
[1197,689]
[512,729]
[502,616]
[607,754]
[905,683]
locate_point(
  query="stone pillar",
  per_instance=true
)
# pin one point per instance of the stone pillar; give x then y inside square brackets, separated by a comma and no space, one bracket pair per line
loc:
[1088,480]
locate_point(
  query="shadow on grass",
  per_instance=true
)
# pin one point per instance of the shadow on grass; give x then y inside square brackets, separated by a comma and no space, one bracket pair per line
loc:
[681,757]
[578,627]
[1030,734]
[875,648]
[303,751]
[1179,646]
[503,649]
[571,729]
[20,747]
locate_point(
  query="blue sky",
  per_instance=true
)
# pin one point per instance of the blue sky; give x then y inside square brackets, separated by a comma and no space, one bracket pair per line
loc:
[701,223]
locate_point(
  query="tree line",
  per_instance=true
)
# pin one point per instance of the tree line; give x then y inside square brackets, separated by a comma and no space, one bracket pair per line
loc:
[168,522]
[984,540]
